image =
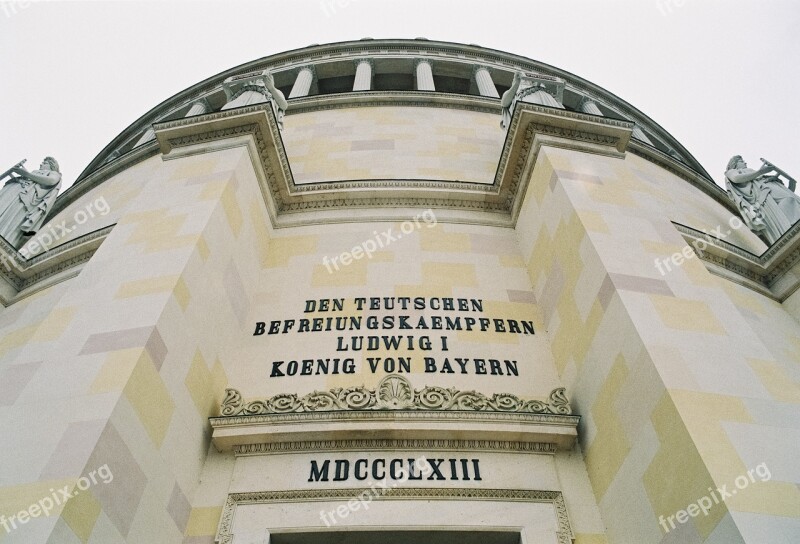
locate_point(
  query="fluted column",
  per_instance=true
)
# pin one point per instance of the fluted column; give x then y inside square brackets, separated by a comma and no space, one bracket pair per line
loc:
[483,79]
[199,107]
[639,135]
[363,80]
[590,106]
[302,85]
[424,76]
[148,135]
[543,98]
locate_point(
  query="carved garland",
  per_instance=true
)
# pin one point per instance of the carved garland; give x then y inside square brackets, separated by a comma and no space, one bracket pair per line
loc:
[394,392]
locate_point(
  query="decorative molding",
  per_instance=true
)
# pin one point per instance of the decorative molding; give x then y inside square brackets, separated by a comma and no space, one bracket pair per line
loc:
[396,416]
[381,444]
[366,99]
[394,392]
[555,498]
[29,276]
[763,273]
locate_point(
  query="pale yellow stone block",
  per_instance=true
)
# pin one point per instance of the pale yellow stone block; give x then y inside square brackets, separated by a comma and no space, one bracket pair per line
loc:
[587,538]
[703,415]
[452,274]
[677,475]
[55,324]
[14,499]
[436,239]
[511,261]
[612,193]
[155,228]
[425,290]
[353,274]
[150,399]
[146,216]
[539,185]
[280,250]
[202,248]
[777,381]
[198,381]
[81,513]
[182,294]
[232,211]
[192,167]
[744,298]
[170,242]
[593,221]
[203,521]
[213,189]
[149,286]
[17,338]
[771,497]
[610,446]
[114,374]
[661,248]
[686,315]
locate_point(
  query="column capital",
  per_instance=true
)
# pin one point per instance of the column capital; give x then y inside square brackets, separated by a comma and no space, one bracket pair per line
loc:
[310,67]
[202,101]
[365,60]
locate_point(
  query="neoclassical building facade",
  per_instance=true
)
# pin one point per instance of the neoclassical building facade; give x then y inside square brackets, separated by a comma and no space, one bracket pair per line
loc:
[398,291]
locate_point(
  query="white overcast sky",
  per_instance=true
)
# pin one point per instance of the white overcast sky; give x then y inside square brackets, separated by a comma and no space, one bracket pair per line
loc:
[722,76]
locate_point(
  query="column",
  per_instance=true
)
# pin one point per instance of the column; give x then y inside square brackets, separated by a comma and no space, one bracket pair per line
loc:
[589,106]
[302,85]
[484,81]
[424,76]
[199,107]
[148,135]
[541,97]
[363,80]
[641,136]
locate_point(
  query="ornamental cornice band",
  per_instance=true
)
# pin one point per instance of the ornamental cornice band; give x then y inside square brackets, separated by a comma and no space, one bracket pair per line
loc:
[380,444]
[564,533]
[394,392]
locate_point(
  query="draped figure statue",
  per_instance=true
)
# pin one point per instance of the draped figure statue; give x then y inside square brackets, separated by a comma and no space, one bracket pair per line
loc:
[26,198]
[767,206]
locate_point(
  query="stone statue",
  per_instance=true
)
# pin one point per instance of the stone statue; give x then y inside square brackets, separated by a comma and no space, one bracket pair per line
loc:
[26,198]
[507,101]
[255,88]
[278,99]
[531,88]
[767,206]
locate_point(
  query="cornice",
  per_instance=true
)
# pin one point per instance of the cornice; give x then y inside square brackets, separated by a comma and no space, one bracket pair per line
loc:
[46,269]
[288,203]
[315,446]
[775,273]
[554,498]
